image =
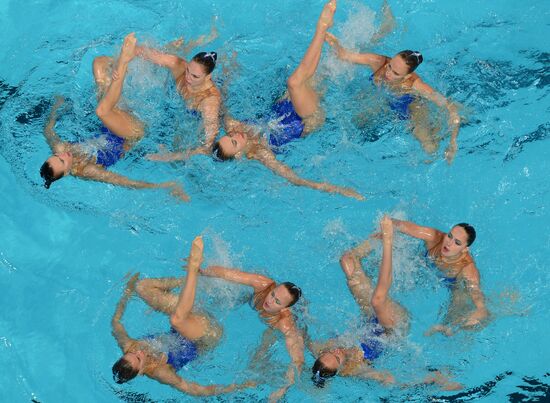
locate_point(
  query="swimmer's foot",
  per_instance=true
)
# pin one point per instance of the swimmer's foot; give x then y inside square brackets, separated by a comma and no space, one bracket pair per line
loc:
[195,258]
[128,50]
[327,16]
[102,68]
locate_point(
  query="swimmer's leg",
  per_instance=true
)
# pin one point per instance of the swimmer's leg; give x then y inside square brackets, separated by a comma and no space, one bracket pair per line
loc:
[422,129]
[120,122]
[304,99]
[359,284]
[189,324]
[156,292]
[387,25]
[389,313]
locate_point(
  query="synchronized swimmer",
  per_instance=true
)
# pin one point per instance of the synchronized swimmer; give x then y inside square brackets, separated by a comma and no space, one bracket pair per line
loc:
[119,133]
[296,114]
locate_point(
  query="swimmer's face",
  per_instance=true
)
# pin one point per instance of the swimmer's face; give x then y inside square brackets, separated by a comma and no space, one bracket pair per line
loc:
[455,242]
[332,360]
[61,163]
[195,74]
[136,360]
[233,143]
[277,300]
[396,69]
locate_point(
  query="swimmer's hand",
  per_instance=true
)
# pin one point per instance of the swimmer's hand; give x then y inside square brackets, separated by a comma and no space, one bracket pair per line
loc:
[348,192]
[278,394]
[176,190]
[335,44]
[131,284]
[166,156]
[194,260]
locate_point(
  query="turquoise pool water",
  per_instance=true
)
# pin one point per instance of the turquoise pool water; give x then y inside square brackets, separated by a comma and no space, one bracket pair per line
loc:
[65,251]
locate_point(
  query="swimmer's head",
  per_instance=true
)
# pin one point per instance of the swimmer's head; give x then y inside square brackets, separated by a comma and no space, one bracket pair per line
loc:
[207,60]
[230,146]
[127,368]
[56,167]
[326,367]
[283,296]
[402,64]
[199,69]
[457,241]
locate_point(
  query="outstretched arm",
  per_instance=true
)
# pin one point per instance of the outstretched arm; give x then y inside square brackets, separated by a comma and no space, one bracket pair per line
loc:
[427,234]
[176,64]
[268,159]
[387,25]
[51,136]
[256,281]
[454,119]
[384,377]
[165,374]
[372,60]
[119,332]
[96,173]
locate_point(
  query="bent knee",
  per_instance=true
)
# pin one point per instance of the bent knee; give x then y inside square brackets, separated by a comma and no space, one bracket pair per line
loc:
[294,82]
[101,110]
[377,301]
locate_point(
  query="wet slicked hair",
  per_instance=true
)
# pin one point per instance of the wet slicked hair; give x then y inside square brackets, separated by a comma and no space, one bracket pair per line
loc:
[294,291]
[207,60]
[470,231]
[412,59]
[218,153]
[321,373]
[123,371]
[46,172]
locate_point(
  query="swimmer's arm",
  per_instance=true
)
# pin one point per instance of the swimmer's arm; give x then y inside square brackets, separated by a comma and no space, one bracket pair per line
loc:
[96,173]
[203,39]
[454,119]
[257,281]
[387,25]
[119,332]
[269,160]
[295,347]
[471,275]
[176,64]
[372,60]
[427,234]
[384,377]
[210,111]
[166,375]
[51,136]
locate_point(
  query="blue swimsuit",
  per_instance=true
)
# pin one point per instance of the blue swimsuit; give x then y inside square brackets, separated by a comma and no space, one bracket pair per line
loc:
[180,351]
[290,125]
[372,346]
[399,103]
[112,150]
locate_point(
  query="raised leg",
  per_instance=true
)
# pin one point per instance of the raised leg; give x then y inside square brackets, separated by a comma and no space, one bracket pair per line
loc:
[389,313]
[120,122]
[360,285]
[304,98]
